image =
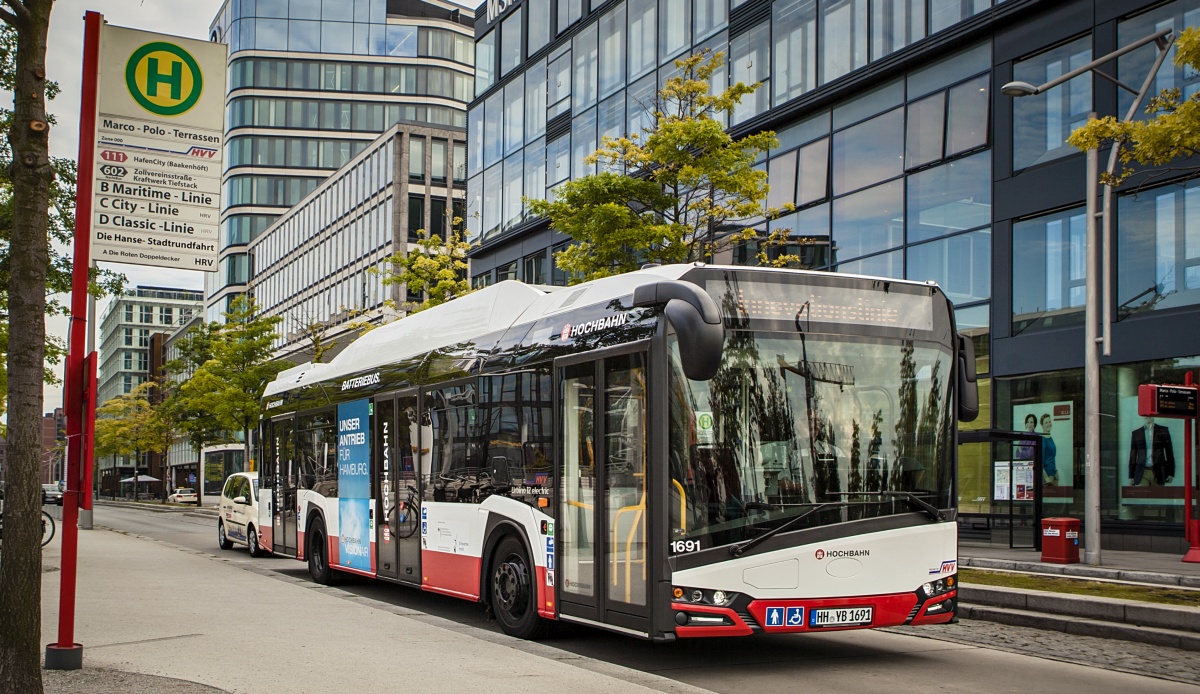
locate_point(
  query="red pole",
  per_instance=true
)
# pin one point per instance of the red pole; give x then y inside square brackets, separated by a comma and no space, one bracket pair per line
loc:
[66,654]
[89,430]
[1191,525]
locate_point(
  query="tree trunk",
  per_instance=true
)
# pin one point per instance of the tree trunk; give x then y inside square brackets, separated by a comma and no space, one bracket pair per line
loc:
[31,173]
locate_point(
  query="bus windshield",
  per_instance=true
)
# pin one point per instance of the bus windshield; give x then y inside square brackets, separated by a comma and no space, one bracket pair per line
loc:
[795,421]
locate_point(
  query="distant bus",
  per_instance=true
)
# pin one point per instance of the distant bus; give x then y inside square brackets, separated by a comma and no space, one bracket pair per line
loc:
[682,451]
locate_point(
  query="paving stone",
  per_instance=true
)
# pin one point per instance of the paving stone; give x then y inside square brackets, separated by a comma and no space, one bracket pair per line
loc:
[1135,657]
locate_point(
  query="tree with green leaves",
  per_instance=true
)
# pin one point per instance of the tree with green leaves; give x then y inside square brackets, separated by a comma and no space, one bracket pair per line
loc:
[435,267]
[131,424]
[192,419]
[230,384]
[681,191]
[1172,133]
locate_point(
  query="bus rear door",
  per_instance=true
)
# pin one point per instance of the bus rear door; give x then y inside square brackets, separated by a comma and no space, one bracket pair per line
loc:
[601,530]
[283,498]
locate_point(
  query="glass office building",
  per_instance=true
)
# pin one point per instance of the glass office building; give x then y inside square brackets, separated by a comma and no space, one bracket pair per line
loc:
[311,84]
[896,145]
[322,263]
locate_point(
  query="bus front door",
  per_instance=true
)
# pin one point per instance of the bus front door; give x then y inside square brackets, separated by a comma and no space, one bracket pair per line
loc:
[602,508]
[283,501]
[398,537]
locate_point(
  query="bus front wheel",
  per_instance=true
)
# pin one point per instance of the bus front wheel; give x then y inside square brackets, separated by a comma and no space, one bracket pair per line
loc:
[513,592]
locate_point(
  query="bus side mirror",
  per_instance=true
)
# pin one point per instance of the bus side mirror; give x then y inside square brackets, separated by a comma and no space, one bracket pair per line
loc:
[697,321]
[968,387]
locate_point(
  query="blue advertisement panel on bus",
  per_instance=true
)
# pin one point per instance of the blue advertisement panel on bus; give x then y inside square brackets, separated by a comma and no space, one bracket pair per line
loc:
[354,485]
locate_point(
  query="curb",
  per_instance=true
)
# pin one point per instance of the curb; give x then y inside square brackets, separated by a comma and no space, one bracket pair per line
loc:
[1082,571]
[1128,620]
[145,506]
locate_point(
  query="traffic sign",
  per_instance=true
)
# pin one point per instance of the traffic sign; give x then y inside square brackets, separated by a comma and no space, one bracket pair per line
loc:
[159,141]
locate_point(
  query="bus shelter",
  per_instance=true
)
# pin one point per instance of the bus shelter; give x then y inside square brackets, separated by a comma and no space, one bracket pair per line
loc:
[1016,489]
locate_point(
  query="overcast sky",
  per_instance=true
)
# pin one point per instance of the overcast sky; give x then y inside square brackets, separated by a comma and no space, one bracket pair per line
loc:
[189,18]
[64,59]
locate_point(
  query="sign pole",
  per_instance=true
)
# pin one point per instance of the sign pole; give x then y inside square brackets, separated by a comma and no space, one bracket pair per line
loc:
[1191,526]
[65,654]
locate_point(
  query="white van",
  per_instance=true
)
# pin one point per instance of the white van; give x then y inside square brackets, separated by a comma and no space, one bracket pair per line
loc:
[238,513]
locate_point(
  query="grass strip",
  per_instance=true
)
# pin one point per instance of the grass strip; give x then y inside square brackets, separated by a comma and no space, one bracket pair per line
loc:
[1165,594]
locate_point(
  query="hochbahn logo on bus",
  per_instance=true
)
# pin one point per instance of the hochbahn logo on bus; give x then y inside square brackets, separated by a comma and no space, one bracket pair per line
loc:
[597,325]
[842,553]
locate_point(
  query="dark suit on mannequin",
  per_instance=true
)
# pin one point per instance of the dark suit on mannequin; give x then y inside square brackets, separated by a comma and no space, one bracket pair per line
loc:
[1162,461]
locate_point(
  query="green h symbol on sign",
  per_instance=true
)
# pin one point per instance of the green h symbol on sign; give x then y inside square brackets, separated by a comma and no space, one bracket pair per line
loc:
[174,79]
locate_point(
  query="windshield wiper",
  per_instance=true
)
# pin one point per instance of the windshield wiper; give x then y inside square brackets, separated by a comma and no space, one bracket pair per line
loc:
[742,547]
[911,499]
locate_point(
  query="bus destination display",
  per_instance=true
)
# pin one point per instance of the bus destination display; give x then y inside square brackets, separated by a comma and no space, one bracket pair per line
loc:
[841,305]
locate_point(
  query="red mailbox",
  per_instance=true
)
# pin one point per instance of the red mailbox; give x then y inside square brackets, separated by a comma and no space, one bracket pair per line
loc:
[1060,540]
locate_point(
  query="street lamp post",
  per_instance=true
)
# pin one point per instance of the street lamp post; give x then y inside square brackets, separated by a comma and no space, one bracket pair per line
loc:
[1099,226]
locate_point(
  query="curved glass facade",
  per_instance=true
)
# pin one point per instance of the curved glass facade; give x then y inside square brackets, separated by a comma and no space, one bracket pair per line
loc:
[311,61]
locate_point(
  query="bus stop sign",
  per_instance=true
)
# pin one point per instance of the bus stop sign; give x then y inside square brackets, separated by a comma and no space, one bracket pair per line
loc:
[1166,401]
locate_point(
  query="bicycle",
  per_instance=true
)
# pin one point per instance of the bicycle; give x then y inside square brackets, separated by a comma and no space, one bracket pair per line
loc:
[48,528]
[409,516]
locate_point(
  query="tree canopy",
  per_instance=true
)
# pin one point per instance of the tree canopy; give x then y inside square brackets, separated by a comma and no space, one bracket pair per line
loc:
[228,387]
[1172,133]
[435,267]
[678,192]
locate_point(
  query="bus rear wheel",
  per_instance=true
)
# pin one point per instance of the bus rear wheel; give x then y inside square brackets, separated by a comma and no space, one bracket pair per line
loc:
[318,555]
[513,592]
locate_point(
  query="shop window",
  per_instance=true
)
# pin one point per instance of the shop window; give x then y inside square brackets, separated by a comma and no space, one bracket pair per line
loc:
[1049,270]
[1147,463]
[507,272]
[1049,406]
[1158,248]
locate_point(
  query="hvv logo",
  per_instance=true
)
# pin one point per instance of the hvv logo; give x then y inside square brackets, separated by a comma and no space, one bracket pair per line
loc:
[495,7]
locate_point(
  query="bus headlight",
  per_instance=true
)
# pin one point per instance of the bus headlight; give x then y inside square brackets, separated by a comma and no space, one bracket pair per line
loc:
[719,597]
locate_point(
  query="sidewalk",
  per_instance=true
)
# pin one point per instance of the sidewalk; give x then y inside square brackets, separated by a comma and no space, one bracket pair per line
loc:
[145,608]
[1137,567]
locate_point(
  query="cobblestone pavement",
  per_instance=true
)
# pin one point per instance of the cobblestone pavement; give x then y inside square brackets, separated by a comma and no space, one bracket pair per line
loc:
[92,680]
[1111,654]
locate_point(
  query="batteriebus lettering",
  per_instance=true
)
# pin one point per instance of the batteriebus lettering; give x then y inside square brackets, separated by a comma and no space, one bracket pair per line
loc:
[593,326]
[361,381]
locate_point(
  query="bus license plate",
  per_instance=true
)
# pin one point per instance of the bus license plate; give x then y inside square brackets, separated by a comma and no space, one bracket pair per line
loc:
[841,617]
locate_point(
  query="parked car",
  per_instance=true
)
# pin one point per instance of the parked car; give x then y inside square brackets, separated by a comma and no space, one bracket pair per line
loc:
[184,496]
[238,513]
[51,494]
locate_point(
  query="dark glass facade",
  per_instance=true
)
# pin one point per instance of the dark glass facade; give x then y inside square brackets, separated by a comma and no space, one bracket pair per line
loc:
[903,159]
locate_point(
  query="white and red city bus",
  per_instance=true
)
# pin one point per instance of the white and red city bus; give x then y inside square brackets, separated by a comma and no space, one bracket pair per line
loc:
[682,451]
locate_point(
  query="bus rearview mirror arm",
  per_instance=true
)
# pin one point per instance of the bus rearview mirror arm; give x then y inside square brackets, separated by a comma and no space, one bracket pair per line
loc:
[968,386]
[697,321]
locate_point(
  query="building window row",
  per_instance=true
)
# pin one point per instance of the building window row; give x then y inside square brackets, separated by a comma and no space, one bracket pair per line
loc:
[360,116]
[329,76]
[1157,257]
[269,191]
[337,34]
[813,42]
[291,152]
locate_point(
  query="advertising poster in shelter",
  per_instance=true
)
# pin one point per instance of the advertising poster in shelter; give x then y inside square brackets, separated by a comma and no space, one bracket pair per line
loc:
[1149,461]
[354,485]
[1053,423]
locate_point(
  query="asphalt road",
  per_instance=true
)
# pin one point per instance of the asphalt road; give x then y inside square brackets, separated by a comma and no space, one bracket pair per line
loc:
[969,657]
